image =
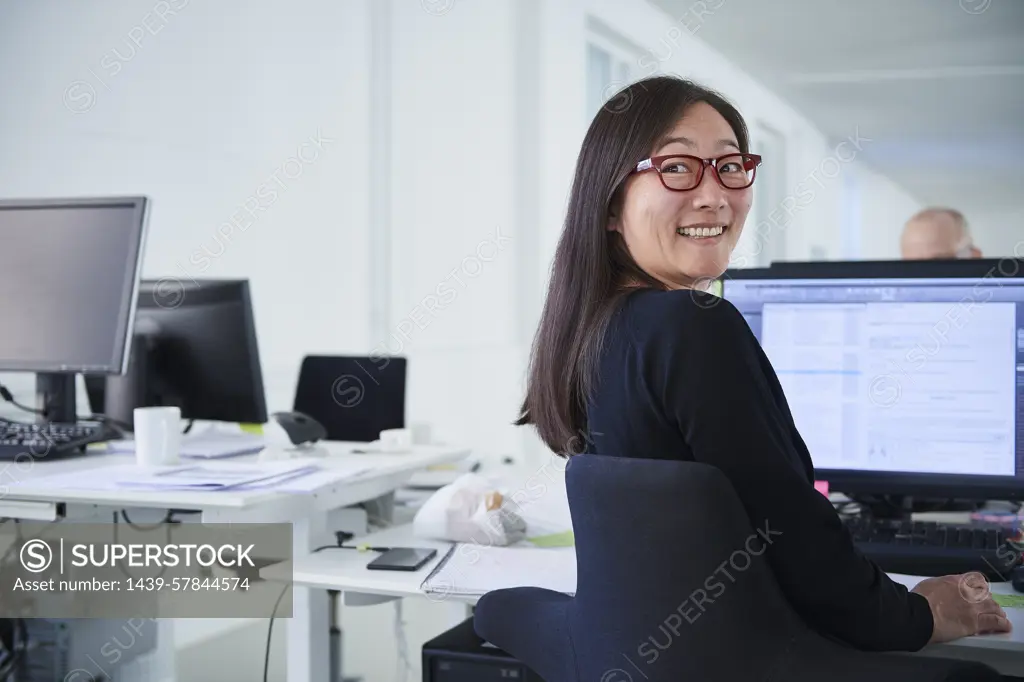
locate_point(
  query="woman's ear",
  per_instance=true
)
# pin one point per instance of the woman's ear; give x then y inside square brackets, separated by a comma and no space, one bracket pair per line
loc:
[613,222]
[614,209]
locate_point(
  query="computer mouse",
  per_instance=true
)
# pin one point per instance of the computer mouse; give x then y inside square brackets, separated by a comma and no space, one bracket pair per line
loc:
[1017,579]
[296,428]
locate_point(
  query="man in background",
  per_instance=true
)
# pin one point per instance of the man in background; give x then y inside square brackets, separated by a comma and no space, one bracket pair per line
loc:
[937,233]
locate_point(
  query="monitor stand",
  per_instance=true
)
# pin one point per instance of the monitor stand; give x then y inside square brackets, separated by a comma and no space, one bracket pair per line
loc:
[55,394]
[141,385]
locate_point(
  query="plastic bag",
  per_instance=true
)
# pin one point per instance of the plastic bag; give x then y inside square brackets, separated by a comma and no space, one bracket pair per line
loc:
[470,509]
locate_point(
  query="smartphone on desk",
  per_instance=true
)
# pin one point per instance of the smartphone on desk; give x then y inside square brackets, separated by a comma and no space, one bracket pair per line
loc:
[402,559]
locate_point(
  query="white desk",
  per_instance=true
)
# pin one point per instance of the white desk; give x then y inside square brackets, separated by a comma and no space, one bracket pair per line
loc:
[21,497]
[346,571]
[389,472]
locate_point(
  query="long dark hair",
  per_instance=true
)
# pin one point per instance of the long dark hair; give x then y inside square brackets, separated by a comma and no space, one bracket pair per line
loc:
[592,265]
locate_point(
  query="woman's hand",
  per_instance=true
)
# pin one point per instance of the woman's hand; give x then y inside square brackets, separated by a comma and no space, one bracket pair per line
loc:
[962,605]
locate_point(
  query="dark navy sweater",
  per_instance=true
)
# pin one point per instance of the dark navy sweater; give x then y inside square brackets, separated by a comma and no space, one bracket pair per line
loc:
[682,376]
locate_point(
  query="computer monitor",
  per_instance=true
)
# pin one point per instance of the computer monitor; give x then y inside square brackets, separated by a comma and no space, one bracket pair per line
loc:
[967,267]
[69,274]
[909,386]
[194,347]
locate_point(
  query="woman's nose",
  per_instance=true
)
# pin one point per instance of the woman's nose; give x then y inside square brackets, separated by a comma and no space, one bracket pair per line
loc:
[709,194]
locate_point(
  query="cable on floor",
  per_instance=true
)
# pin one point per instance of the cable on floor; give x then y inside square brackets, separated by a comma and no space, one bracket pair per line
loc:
[270,633]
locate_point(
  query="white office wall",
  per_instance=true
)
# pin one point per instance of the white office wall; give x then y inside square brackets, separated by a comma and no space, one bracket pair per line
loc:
[209,108]
[998,234]
[884,208]
[458,208]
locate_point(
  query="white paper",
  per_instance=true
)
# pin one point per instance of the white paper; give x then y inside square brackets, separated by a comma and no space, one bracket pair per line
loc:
[313,481]
[286,476]
[215,445]
[206,445]
[214,475]
[474,570]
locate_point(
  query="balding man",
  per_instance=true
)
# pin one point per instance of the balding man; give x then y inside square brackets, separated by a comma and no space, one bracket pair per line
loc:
[937,233]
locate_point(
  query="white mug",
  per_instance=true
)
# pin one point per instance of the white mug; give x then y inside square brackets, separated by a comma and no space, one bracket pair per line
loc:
[157,435]
[395,440]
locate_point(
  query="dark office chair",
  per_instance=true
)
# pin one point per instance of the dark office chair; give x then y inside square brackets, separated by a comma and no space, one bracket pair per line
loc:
[648,535]
[355,398]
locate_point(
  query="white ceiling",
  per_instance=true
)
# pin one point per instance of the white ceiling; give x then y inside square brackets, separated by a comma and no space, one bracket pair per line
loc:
[937,85]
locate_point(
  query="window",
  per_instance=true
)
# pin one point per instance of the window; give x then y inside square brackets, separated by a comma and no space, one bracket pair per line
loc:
[611,65]
[849,214]
[764,237]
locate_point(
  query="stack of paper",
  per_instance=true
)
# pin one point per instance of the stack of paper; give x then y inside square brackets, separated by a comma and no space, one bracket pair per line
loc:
[473,570]
[330,474]
[211,476]
[213,445]
[298,475]
[207,445]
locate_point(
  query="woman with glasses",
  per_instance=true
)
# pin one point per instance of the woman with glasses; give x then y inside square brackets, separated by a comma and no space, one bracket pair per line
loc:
[633,358]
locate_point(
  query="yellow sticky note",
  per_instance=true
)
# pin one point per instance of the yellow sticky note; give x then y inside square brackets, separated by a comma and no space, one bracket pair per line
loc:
[566,539]
[1009,601]
[256,429]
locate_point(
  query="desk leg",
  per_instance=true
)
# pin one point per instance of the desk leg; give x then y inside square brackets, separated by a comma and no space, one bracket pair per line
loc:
[308,642]
[166,652]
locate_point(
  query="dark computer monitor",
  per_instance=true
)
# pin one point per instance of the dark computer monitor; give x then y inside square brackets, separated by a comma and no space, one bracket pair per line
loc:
[69,273]
[194,347]
[355,398]
[967,267]
[744,273]
[900,385]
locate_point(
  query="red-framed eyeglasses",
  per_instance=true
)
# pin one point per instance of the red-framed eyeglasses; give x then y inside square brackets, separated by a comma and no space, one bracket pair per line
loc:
[681,172]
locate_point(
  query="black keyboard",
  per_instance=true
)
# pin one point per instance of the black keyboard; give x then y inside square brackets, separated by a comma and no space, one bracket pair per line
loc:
[50,441]
[932,549]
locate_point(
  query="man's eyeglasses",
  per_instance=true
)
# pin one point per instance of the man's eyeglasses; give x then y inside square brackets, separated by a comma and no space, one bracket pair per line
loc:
[681,172]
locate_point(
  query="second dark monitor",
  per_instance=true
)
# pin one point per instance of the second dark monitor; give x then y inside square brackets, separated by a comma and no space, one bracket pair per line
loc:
[194,347]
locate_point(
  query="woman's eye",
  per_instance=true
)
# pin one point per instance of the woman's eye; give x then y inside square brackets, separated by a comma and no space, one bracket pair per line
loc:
[730,168]
[675,168]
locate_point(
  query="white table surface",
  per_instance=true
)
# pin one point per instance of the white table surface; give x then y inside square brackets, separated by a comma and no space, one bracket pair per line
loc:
[22,485]
[22,480]
[345,570]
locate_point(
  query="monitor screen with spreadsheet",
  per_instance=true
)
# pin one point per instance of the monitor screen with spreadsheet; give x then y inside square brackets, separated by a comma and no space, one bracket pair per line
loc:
[899,385]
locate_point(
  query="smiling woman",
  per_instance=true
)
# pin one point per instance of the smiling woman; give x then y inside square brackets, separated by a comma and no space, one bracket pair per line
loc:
[634,353]
[660,196]
[709,215]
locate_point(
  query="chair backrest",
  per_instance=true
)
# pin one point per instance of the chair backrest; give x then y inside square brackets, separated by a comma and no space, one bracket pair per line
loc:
[673,584]
[670,570]
[355,398]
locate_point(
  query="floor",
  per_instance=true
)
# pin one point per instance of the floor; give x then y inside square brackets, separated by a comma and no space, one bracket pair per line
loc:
[371,642]
[369,646]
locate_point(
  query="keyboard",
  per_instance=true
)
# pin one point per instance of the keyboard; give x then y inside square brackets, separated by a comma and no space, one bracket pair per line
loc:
[50,441]
[932,549]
